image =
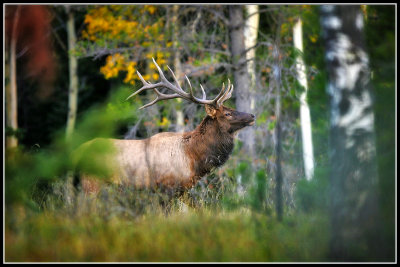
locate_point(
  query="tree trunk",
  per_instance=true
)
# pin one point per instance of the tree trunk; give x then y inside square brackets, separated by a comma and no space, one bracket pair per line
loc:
[240,73]
[73,74]
[305,118]
[250,40]
[11,88]
[277,81]
[354,209]
[277,134]
[72,96]
[180,125]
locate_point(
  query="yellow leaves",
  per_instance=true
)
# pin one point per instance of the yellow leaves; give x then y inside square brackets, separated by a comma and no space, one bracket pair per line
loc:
[118,26]
[146,44]
[159,54]
[123,23]
[149,55]
[114,64]
[313,38]
[102,22]
[146,77]
[161,61]
[149,8]
[164,122]
[117,62]
[131,71]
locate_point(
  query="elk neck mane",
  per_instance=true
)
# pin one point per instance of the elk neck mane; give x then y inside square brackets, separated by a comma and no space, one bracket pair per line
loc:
[207,146]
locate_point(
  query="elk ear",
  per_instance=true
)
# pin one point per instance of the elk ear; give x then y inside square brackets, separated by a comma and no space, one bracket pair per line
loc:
[210,110]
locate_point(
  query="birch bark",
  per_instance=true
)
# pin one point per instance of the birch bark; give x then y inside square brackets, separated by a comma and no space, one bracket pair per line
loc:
[73,74]
[355,217]
[11,88]
[305,118]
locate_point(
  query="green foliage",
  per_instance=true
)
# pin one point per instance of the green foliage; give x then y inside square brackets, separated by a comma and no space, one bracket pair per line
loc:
[312,196]
[259,191]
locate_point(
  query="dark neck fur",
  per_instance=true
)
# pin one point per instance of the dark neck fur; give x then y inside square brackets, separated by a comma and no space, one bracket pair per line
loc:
[207,146]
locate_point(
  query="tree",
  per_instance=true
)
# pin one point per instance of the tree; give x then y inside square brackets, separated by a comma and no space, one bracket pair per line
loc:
[277,83]
[240,73]
[305,118]
[11,87]
[354,210]
[27,40]
[73,73]
[381,35]
[250,42]
[180,125]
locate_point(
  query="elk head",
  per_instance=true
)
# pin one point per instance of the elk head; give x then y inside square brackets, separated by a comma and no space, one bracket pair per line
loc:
[229,120]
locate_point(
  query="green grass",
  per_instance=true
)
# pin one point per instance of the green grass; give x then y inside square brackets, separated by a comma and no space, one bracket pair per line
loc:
[198,235]
[126,225]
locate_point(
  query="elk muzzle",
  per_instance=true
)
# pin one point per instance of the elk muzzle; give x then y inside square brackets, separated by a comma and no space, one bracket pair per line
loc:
[240,120]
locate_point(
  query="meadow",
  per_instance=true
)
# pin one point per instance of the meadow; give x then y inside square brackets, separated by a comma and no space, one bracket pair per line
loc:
[129,227]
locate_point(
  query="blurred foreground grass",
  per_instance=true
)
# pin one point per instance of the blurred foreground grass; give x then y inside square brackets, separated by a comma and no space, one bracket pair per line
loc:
[195,235]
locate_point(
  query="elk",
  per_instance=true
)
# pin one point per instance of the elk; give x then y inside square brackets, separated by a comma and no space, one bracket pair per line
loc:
[171,159]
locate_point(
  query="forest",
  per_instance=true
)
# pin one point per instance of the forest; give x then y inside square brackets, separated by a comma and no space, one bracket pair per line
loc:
[199,133]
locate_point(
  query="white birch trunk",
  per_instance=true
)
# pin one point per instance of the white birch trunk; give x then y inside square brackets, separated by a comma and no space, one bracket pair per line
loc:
[73,75]
[354,202]
[250,40]
[305,118]
[72,97]
[11,88]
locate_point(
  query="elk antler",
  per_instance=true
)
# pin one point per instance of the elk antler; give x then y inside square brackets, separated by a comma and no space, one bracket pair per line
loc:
[223,95]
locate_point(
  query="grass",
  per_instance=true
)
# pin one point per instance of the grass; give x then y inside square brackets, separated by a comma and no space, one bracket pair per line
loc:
[215,224]
[192,236]
[199,234]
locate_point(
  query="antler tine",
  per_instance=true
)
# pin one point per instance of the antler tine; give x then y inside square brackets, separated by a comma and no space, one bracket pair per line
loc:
[220,94]
[175,79]
[227,94]
[220,100]
[142,88]
[191,90]
[204,92]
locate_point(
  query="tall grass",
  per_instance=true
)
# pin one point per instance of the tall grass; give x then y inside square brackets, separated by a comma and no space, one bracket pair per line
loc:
[209,223]
[195,235]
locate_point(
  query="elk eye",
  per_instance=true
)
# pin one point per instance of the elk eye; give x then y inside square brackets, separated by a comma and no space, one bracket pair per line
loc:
[228,114]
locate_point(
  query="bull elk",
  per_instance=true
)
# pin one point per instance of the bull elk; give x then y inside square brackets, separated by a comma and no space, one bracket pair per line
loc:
[169,159]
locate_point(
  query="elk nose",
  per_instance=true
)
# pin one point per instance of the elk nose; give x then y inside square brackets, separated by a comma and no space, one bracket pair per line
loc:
[252,116]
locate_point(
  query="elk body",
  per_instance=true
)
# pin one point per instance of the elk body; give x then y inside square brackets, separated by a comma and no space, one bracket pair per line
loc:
[174,160]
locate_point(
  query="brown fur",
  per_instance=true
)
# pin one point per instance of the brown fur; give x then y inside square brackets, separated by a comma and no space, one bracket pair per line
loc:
[207,146]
